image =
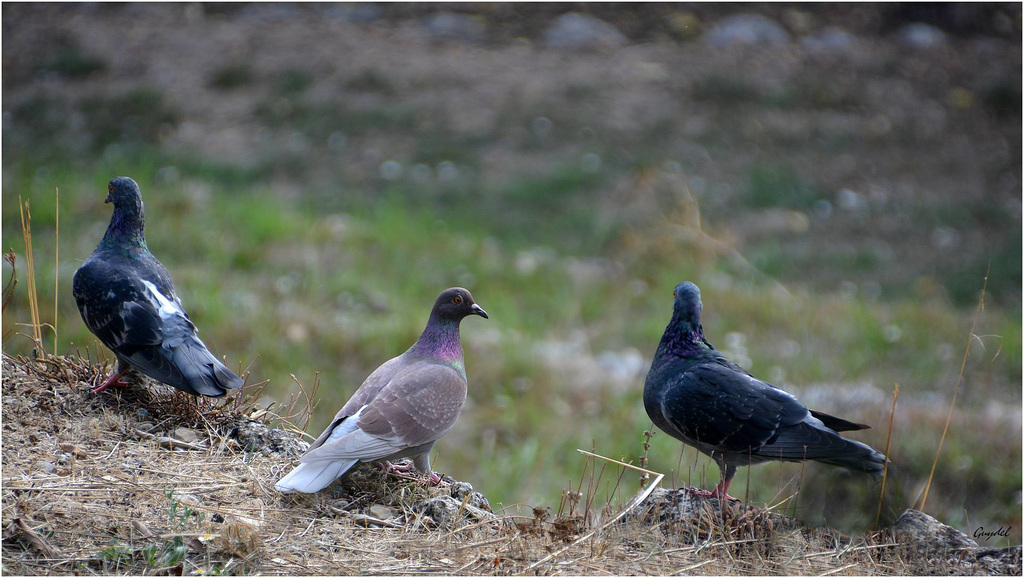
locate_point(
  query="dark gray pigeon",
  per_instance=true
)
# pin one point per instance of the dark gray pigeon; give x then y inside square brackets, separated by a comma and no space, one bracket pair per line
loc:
[401,409]
[127,300]
[701,398]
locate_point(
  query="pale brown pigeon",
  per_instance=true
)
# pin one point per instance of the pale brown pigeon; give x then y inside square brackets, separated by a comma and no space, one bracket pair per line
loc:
[401,409]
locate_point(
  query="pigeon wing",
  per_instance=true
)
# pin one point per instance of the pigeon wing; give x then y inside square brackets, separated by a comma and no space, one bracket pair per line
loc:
[417,407]
[727,410]
[366,393]
[144,324]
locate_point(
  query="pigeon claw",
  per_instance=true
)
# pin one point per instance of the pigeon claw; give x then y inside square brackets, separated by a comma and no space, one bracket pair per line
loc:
[112,381]
[400,471]
[720,491]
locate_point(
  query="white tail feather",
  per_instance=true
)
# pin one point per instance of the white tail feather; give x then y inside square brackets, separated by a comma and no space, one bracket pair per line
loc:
[310,478]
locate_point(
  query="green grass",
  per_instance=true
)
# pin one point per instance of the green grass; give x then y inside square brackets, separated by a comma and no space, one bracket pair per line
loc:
[778,185]
[232,76]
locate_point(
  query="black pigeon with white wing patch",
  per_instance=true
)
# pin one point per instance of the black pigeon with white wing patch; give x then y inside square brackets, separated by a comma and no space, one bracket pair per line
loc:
[699,397]
[126,298]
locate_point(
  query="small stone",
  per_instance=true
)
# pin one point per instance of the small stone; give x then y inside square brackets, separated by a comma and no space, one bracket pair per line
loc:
[930,535]
[45,466]
[442,510]
[141,414]
[575,31]
[922,36]
[454,26]
[187,499]
[186,435]
[462,489]
[381,512]
[683,24]
[831,40]
[747,30]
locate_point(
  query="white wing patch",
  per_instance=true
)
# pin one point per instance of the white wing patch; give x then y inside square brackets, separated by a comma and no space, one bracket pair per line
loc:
[348,442]
[167,308]
[346,427]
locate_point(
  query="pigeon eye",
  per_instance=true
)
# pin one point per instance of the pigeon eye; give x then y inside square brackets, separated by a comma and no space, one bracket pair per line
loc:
[110,189]
[457,300]
[673,293]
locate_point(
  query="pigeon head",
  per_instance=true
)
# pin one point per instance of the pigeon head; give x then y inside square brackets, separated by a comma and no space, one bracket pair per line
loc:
[687,306]
[455,304]
[128,220]
[684,334]
[440,339]
[124,193]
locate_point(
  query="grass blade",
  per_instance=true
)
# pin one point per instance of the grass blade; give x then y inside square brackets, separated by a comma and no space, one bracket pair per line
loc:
[888,445]
[956,390]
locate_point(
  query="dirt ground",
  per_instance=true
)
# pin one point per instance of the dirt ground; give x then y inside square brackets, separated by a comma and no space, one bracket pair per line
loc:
[136,481]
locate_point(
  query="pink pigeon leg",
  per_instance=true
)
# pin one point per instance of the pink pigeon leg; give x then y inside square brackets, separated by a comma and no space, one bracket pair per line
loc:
[112,381]
[433,479]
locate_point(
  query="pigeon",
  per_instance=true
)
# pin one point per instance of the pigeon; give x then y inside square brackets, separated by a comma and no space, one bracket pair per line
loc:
[401,409]
[699,397]
[127,299]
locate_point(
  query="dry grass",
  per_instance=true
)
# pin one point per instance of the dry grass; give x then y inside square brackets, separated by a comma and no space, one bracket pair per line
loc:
[109,485]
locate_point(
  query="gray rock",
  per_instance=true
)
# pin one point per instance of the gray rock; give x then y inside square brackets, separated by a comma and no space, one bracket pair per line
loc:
[46,467]
[746,30]
[185,434]
[828,41]
[943,549]
[575,31]
[454,26]
[462,489]
[255,436]
[928,534]
[681,506]
[922,36]
[447,511]
[998,561]
[381,512]
[441,510]
[362,13]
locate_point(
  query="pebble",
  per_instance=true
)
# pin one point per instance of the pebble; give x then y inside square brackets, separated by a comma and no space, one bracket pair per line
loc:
[746,30]
[922,36]
[381,512]
[454,26]
[575,31]
[185,434]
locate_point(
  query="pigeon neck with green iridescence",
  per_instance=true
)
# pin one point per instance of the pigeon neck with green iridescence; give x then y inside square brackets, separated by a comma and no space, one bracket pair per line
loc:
[125,231]
[440,340]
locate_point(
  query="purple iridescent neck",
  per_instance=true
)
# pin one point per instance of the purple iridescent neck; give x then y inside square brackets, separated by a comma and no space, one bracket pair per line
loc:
[683,338]
[440,340]
[125,230]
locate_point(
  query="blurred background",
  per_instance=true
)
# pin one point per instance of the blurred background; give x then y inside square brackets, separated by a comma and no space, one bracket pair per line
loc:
[837,179]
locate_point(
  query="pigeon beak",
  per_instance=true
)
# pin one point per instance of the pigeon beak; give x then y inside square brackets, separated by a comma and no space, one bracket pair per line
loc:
[477,310]
[109,199]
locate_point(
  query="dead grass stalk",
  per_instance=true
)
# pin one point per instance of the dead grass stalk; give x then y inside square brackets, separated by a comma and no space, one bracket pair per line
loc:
[956,390]
[888,448]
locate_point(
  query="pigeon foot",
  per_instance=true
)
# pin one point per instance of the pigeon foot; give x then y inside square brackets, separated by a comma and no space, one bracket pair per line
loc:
[400,472]
[112,381]
[719,492]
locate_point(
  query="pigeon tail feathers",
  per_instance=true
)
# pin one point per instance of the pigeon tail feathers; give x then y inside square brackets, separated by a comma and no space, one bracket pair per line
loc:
[310,478]
[189,367]
[859,457]
[203,372]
